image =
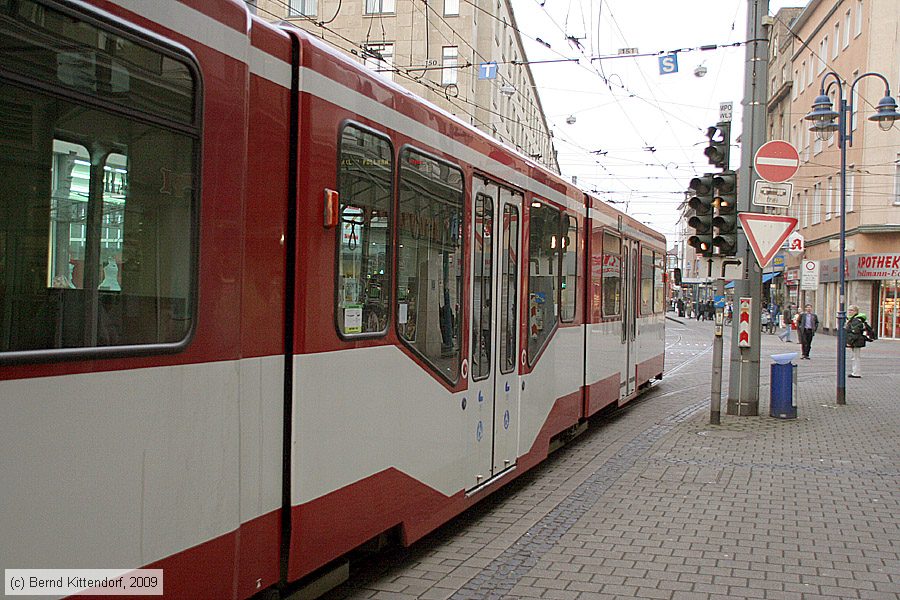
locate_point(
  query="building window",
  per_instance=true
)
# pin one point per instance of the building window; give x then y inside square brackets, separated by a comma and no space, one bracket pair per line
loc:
[429,260]
[859,16]
[854,116]
[365,185]
[829,199]
[835,49]
[823,53]
[380,58]
[378,7]
[802,82]
[451,8]
[897,181]
[817,203]
[851,188]
[449,62]
[302,8]
[804,221]
[847,24]
[795,91]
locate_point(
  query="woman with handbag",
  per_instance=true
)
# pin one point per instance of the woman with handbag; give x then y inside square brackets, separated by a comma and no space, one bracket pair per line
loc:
[858,333]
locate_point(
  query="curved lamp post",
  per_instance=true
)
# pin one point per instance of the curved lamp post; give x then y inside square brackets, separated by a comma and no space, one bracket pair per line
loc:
[825,122]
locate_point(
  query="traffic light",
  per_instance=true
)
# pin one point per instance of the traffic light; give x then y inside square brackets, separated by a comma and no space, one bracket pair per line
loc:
[701,222]
[719,145]
[725,222]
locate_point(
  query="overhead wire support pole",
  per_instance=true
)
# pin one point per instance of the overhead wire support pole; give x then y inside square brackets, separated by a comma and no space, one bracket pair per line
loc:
[743,383]
[824,125]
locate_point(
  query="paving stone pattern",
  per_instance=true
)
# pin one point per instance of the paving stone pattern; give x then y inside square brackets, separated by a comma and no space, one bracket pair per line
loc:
[654,502]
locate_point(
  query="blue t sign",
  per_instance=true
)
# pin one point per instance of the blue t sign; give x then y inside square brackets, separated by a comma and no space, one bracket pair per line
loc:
[487,70]
[668,64]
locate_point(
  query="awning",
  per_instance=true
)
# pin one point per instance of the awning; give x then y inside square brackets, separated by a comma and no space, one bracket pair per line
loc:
[766,277]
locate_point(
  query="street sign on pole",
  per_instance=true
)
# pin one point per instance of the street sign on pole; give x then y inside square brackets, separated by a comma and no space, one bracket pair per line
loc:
[776,161]
[809,275]
[744,322]
[766,233]
[772,194]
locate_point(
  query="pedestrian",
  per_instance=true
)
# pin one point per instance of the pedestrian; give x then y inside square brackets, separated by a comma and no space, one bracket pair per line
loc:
[788,321]
[680,306]
[807,325]
[858,333]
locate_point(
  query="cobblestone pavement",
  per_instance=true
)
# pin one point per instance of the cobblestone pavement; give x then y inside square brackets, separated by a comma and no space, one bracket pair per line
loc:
[654,502]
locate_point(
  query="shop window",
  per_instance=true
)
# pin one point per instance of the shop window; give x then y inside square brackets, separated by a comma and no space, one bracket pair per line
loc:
[429,260]
[364,266]
[543,276]
[98,211]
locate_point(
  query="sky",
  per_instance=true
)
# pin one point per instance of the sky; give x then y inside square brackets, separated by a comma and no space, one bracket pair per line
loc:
[638,135]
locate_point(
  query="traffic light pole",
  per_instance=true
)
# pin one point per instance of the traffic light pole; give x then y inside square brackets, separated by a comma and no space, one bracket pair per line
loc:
[743,383]
[715,392]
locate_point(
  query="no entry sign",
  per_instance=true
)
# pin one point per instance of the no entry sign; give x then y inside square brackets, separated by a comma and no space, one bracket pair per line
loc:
[776,161]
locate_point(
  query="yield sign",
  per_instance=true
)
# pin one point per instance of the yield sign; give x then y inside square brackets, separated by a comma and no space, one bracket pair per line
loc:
[776,161]
[766,233]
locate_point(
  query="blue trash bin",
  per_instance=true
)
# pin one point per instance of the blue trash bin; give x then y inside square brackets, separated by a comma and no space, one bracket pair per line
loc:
[782,404]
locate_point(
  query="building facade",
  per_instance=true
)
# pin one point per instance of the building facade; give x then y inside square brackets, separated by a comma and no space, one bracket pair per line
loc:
[463,56]
[849,37]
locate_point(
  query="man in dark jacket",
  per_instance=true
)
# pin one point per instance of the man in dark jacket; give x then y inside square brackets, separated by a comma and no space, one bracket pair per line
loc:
[806,329]
[858,333]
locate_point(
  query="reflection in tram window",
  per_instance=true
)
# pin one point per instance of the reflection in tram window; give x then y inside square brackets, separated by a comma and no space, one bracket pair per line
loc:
[97,211]
[569,274]
[659,290]
[543,278]
[364,267]
[482,285]
[509,281]
[612,275]
[429,260]
[646,281]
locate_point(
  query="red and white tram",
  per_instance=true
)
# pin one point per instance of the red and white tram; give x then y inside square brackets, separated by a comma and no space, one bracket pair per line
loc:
[259,305]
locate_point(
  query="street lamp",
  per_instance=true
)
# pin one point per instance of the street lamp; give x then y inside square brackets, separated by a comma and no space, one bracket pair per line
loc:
[825,122]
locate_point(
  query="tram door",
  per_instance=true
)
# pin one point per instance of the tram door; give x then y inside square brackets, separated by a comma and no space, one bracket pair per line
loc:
[629,314]
[495,297]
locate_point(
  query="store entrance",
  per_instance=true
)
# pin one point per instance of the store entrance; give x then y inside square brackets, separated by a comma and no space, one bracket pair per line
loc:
[888,317]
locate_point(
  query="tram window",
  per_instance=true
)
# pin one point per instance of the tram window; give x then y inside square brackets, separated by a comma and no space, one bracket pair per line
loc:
[543,275]
[364,266]
[482,286]
[646,281]
[98,210]
[612,275]
[61,50]
[429,260]
[569,271]
[509,282]
[659,289]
